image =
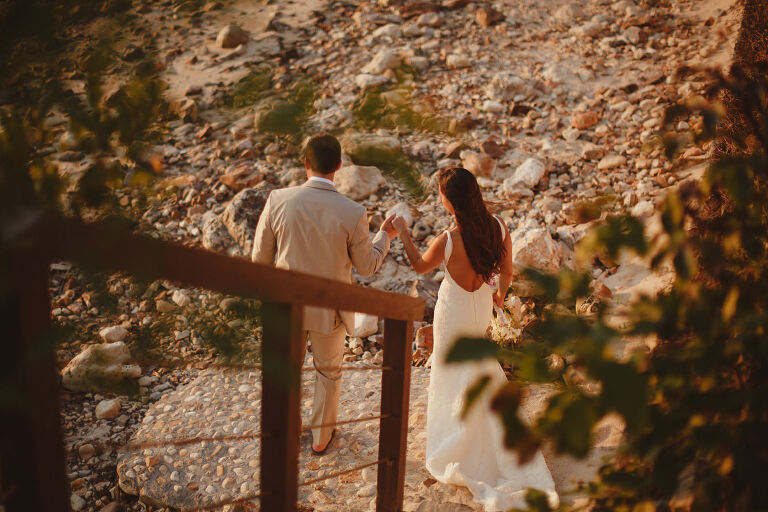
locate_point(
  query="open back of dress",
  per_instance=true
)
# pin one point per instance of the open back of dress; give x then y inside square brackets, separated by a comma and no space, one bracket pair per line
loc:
[470,452]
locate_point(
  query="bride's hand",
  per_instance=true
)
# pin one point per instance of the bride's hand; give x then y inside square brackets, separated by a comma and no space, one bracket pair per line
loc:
[498,298]
[400,225]
[388,228]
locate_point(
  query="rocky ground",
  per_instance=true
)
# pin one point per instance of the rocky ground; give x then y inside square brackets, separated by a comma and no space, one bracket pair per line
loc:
[550,107]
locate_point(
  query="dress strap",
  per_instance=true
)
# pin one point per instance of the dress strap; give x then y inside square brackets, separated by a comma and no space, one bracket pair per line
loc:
[503,228]
[448,247]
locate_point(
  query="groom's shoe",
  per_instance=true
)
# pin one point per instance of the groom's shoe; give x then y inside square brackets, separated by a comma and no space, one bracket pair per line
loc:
[327,445]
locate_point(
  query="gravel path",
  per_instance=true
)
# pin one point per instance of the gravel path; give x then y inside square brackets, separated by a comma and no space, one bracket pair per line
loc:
[226,403]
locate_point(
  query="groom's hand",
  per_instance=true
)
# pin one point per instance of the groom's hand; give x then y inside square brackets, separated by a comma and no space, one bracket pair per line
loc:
[388,228]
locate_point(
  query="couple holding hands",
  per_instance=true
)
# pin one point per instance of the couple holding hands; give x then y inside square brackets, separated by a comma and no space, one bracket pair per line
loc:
[314,229]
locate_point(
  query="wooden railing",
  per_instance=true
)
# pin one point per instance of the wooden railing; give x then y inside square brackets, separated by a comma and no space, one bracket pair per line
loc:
[32,472]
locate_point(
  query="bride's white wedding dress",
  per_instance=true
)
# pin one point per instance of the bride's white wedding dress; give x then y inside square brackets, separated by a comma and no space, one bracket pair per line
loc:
[470,452]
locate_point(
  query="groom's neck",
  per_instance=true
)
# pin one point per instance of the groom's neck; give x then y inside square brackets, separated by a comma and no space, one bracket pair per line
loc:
[312,174]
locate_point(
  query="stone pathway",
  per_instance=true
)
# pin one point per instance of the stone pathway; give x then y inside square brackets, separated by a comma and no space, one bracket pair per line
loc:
[226,403]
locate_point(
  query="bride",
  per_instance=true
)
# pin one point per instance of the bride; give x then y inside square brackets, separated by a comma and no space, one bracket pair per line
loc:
[469,451]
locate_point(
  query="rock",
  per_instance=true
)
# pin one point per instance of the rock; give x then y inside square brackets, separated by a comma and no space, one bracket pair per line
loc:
[403,210]
[133,53]
[492,148]
[242,213]
[633,35]
[98,367]
[611,162]
[571,134]
[493,107]
[242,177]
[477,163]
[181,298]
[382,61]
[457,61]
[113,333]
[111,507]
[643,209]
[505,86]
[536,249]
[215,234]
[529,173]
[366,81]
[584,120]
[108,409]
[550,204]
[429,19]
[163,306]
[568,13]
[557,72]
[487,16]
[367,491]
[425,338]
[588,29]
[630,199]
[86,451]
[417,62]
[357,182]
[591,151]
[391,30]
[193,90]
[76,502]
[319,498]
[232,36]
[187,110]
[421,230]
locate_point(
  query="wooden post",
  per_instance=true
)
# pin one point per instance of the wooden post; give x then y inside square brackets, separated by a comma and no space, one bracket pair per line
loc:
[32,470]
[281,351]
[393,430]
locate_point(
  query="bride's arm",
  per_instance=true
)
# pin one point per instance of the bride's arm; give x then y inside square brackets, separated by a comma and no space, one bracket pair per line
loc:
[507,271]
[421,263]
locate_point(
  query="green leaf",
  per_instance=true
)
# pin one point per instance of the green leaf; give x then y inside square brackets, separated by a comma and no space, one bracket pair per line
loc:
[624,390]
[473,393]
[472,349]
[537,501]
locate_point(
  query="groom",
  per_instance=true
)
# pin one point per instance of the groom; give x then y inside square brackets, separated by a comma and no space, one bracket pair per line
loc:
[315,229]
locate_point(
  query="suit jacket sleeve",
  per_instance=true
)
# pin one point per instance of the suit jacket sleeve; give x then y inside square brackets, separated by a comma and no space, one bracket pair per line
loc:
[366,254]
[264,242]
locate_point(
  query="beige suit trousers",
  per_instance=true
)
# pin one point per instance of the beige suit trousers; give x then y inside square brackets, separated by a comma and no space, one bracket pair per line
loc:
[327,354]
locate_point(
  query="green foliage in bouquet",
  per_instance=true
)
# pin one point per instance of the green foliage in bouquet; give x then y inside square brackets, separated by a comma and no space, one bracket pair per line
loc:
[696,407]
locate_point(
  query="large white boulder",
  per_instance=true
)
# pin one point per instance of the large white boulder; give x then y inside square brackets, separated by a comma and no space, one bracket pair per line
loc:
[536,249]
[402,209]
[358,181]
[98,367]
[526,176]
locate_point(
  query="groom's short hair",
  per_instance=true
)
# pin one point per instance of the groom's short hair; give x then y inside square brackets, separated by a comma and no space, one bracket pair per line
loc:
[323,153]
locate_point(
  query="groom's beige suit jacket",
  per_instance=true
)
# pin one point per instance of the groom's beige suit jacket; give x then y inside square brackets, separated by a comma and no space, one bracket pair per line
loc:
[314,229]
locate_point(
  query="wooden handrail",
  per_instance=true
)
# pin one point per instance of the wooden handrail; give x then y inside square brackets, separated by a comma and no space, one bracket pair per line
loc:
[110,246]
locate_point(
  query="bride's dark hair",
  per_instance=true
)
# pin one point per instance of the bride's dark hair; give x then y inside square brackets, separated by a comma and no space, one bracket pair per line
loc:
[479,230]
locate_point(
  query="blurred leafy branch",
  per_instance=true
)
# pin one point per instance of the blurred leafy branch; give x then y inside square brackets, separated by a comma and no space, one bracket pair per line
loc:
[109,125]
[696,406]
